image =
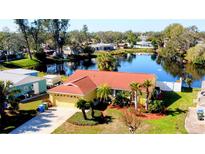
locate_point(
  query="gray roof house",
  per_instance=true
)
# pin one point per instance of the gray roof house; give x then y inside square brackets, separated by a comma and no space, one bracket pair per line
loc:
[25,83]
[22,71]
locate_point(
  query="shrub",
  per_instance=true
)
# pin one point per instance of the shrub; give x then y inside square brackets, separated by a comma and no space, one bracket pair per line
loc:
[131,120]
[156,106]
[88,50]
[121,99]
[40,55]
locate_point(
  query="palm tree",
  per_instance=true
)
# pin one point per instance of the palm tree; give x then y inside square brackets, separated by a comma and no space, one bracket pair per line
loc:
[106,62]
[189,81]
[147,84]
[103,92]
[135,91]
[92,108]
[7,95]
[82,104]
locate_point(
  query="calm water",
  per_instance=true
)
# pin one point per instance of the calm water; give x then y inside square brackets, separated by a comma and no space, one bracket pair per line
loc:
[164,70]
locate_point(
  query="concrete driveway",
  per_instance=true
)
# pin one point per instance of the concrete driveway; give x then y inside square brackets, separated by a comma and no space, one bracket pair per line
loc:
[46,122]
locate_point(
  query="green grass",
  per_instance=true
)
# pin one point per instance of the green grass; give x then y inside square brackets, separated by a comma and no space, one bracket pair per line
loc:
[126,51]
[78,119]
[113,127]
[173,123]
[33,105]
[23,63]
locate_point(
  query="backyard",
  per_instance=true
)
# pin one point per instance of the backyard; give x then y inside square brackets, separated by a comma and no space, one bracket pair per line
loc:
[171,123]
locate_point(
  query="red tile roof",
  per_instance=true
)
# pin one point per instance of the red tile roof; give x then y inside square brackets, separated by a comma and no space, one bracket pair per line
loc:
[80,86]
[85,81]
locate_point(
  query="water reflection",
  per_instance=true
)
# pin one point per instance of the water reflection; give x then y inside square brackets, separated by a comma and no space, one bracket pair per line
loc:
[68,68]
[165,69]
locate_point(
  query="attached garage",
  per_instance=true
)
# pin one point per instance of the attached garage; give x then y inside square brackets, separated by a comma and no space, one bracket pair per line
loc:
[64,100]
[68,94]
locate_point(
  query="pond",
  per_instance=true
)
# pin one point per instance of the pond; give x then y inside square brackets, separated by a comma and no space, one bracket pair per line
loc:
[164,70]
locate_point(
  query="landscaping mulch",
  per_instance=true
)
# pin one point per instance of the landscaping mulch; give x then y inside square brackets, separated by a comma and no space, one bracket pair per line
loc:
[144,116]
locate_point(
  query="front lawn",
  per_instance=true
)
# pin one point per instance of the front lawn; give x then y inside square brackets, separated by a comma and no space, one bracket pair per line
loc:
[77,119]
[173,123]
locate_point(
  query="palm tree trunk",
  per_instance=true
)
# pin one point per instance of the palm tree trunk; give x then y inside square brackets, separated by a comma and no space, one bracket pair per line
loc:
[92,112]
[147,100]
[84,114]
[2,114]
[135,100]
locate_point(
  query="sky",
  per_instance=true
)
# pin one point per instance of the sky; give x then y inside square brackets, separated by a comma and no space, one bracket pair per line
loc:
[118,24]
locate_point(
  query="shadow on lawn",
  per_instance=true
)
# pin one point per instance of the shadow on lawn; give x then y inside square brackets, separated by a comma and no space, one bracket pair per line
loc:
[14,119]
[186,89]
[170,98]
[103,119]
[175,112]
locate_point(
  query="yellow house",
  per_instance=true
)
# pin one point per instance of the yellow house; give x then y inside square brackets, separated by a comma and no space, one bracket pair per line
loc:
[83,84]
[69,93]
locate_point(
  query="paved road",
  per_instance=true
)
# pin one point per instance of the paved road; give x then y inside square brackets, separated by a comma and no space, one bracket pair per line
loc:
[192,124]
[47,122]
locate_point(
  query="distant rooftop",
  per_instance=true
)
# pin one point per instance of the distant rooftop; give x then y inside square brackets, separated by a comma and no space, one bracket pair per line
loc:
[20,71]
[18,79]
[51,76]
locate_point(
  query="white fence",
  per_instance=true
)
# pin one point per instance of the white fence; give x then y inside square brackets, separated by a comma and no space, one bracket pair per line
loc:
[170,86]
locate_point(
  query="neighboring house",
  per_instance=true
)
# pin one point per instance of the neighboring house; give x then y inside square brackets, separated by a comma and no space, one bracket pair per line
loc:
[71,51]
[83,84]
[143,43]
[28,85]
[22,72]
[10,55]
[52,80]
[122,45]
[103,47]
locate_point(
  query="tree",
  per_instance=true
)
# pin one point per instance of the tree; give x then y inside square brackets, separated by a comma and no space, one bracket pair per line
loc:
[85,33]
[178,40]
[196,55]
[106,62]
[131,38]
[92,108]
[82,104]
[24,28]
[131,120]
[34,30]
[135,92]
[88,50]
[189,81]
[58,29]
[103,92]
[7,96]
[40,55]
[147,84]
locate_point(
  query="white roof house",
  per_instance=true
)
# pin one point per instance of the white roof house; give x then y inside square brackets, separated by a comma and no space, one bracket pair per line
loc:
[18,79]
[143,43]
[103,46]
[51,80]
[22,71]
